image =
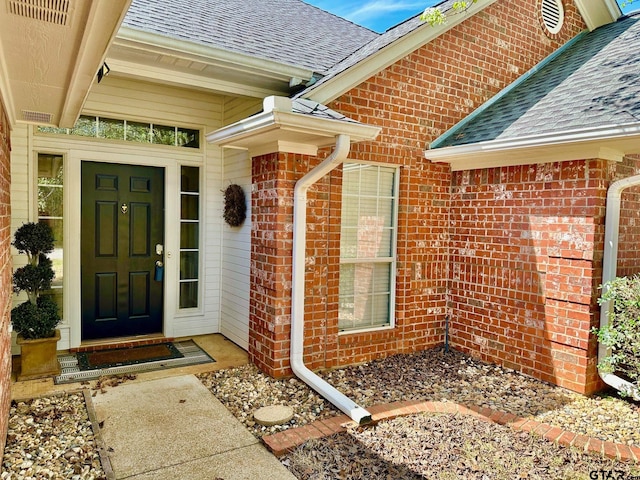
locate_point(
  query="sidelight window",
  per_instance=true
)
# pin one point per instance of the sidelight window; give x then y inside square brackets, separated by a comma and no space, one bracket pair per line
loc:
[50,211]
[189,236]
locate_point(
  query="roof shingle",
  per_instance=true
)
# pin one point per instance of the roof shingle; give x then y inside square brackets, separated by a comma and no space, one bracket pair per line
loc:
[594,83]
[286,31]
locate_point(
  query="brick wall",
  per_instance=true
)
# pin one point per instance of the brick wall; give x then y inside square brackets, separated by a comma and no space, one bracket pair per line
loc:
[526,254]
[5,277]
[414,101]
[537,314]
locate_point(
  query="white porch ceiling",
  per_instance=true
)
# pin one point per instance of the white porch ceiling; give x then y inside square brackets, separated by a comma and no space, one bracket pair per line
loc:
[50,52]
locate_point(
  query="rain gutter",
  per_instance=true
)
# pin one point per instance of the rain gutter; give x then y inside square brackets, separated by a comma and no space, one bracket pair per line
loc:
[345,404]
[609,263]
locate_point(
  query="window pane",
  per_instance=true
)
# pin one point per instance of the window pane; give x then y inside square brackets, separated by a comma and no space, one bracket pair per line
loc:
[369,237]
[50,212]
[138,132]
[189,295]
[190,179]
[188,265]
[49,201]
[85,127]
[189,235]
[387,183]
[164,135]
[189,207]
[367,232]
[188,138]
[369,181]
[348,243]
[111,128]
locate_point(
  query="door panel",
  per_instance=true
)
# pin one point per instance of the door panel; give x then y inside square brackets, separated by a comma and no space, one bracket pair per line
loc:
[122,221]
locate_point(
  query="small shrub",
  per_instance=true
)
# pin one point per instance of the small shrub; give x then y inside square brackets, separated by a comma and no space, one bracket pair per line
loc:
[622,333]
[38,316]
[36,321]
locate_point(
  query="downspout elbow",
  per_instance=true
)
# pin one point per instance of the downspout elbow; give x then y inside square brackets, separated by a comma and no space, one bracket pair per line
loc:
[341,401]
[609,261]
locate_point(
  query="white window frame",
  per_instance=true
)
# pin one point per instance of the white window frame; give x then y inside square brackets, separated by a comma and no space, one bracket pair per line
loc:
[391,260]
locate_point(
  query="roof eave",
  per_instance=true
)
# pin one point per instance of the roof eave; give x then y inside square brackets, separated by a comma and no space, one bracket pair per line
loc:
[365,69]
[278,130]
[135,39]
[609,143]
[103,23]
[598,13]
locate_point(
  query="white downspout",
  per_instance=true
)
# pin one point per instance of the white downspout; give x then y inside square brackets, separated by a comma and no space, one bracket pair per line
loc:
[609,264]
[345,404]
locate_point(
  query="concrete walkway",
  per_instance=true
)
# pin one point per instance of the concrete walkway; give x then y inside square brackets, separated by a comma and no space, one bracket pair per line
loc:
[174,428]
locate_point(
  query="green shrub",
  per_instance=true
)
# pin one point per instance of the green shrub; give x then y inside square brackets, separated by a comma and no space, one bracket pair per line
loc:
[36,321]
[622,333]
[38,316]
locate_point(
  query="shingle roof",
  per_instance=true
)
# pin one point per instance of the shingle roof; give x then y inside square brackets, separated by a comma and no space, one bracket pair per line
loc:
[318,110]
[594,83]
[286,31]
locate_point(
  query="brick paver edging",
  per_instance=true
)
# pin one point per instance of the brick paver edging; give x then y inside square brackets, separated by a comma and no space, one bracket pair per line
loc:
[285,441]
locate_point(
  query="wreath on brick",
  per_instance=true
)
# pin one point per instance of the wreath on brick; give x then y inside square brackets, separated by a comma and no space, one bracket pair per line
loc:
[235,206]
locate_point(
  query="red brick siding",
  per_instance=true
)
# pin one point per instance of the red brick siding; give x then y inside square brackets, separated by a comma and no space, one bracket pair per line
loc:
[5,276]
[629,233]
[414,101]
[525,264]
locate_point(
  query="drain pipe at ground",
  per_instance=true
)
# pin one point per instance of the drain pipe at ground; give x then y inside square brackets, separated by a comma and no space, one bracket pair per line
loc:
[609,264]
[344,403]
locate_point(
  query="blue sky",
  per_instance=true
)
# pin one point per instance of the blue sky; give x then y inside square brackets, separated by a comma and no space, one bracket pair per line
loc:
[379,15]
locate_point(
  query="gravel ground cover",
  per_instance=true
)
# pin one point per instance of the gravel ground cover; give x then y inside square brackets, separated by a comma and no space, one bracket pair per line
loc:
[51,438]
[437,445]
[445,447]
[429,375]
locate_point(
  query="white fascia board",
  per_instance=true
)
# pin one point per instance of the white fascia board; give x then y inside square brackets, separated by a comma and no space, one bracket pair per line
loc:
[278,124]
[598,12]
[6,99]
[131,38]
[180,79]
[102,24]
[400,48]
[609,143]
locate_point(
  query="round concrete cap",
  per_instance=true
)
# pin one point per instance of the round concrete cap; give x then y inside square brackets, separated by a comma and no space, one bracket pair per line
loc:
[273,415]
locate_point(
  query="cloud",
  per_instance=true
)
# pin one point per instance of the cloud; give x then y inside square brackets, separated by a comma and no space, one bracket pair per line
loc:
[362,12]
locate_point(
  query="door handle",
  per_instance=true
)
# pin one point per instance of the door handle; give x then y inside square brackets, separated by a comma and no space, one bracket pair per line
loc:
[159,248]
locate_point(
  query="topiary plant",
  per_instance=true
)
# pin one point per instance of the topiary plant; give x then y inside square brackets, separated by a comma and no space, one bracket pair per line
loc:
[38,316]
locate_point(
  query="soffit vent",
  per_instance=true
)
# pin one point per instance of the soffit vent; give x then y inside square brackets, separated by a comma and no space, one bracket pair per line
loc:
[552,13]
[52,11]
[36,117]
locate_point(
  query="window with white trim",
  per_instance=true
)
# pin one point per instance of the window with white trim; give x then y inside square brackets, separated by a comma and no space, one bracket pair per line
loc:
[189,236]
[50,209]
[367,247]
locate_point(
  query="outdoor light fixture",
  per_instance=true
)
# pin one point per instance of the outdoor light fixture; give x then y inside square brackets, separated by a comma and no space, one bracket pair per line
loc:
[103,71]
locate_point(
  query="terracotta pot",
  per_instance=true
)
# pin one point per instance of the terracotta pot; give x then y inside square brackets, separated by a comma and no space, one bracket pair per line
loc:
[38,358]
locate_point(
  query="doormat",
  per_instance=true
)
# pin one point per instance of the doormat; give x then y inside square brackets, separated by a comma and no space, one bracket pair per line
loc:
[116,357]
[84,366]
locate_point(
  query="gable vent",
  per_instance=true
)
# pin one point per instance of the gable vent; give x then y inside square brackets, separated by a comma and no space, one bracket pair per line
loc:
[36,117]
[52,11]
[552,13]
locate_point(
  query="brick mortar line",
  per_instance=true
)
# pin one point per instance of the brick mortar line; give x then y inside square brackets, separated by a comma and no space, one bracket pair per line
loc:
[286,440]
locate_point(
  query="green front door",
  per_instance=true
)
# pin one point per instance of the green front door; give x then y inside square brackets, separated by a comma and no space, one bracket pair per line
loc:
[122,232]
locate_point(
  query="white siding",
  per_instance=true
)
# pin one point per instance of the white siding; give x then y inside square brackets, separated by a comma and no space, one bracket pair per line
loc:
[133,100]
[236,241]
